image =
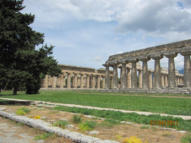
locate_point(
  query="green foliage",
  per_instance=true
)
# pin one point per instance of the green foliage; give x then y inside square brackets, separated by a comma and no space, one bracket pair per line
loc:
[132,117]
[87,125]
[109,123]
[21,64]
[60,123]
[43,136]
[22,111]
[176,106]
[186,139]
[76,119]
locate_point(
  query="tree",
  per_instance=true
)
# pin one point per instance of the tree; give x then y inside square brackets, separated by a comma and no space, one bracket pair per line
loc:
[20,63]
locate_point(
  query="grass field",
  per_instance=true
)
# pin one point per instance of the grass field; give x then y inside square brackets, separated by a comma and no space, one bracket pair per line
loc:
[137,102]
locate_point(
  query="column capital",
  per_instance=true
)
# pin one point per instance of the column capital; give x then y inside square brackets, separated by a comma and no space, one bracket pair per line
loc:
[156,56]
[144,59]
[186,53]
[170,55]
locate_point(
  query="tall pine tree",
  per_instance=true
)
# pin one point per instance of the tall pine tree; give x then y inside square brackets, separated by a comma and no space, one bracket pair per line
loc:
[21,65]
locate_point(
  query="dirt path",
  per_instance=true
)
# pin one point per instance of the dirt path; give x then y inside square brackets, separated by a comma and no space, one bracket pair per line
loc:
[12,132]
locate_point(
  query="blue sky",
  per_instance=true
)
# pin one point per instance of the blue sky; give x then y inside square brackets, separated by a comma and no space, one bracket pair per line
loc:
[87,32]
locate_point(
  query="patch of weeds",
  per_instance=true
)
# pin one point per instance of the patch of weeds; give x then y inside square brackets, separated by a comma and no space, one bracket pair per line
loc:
[186,139]
[109,123]
[43,136]
[76,119]
[61,123]
[154,128]
[144,127]
[166,135]
[87,125]
[22,111]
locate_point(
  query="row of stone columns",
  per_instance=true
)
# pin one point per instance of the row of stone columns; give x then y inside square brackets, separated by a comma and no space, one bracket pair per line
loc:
[74,80]
[147,79]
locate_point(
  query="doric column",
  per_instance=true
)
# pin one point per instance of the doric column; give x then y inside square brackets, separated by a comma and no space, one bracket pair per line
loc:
[150,74]
[62,80]
[68,80]
[54,82]
[115,76]
[93,81]
[171,70]
[111,81]
[45,82]
[124,76]
[103,82]
[107,77]
[129,78]
[145,83]
[98,81]
[81,81]
[134,75]
[88,81]
[157,73]
[140,79]
[162,81]
[187,69]
[75,80]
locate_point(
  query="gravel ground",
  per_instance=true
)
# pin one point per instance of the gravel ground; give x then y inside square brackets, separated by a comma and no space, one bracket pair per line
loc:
[10,132]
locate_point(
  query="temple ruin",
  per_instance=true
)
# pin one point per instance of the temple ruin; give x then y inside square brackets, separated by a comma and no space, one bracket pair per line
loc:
[144,80]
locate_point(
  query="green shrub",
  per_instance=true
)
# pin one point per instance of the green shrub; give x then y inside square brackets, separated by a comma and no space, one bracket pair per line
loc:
[87,125]
[43,136]
[109,123]
[22,111]
[77,119]
[186,139]
[60,123]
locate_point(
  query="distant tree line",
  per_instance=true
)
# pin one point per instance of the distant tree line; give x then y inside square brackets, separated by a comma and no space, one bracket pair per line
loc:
[22,64]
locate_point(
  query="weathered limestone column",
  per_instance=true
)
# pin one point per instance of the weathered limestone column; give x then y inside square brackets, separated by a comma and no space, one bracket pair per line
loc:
[171,71]
[98,81]
[111,80]
[145,83]
[187,69]
[68,80]
[150,75]
[81,80]
[134,75]
[88,81]
[115,77]
[75,80]
[103,82]
[54,82]
[107,77]
[129,78]
[124,76]
[157,73]
[162,81]
[62,80]
[140,79]
[46,81]
[93,81]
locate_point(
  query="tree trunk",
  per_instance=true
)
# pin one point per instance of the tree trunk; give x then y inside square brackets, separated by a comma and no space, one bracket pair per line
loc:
[15,91]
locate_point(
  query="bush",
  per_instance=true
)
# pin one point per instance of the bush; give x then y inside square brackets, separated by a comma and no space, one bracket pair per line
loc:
[77,119]
[60,123]
[22,111]
[87,125]
[186,139]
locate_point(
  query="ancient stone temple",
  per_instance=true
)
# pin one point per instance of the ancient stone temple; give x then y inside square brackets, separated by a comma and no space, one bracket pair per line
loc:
[144,80]
[74,77]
